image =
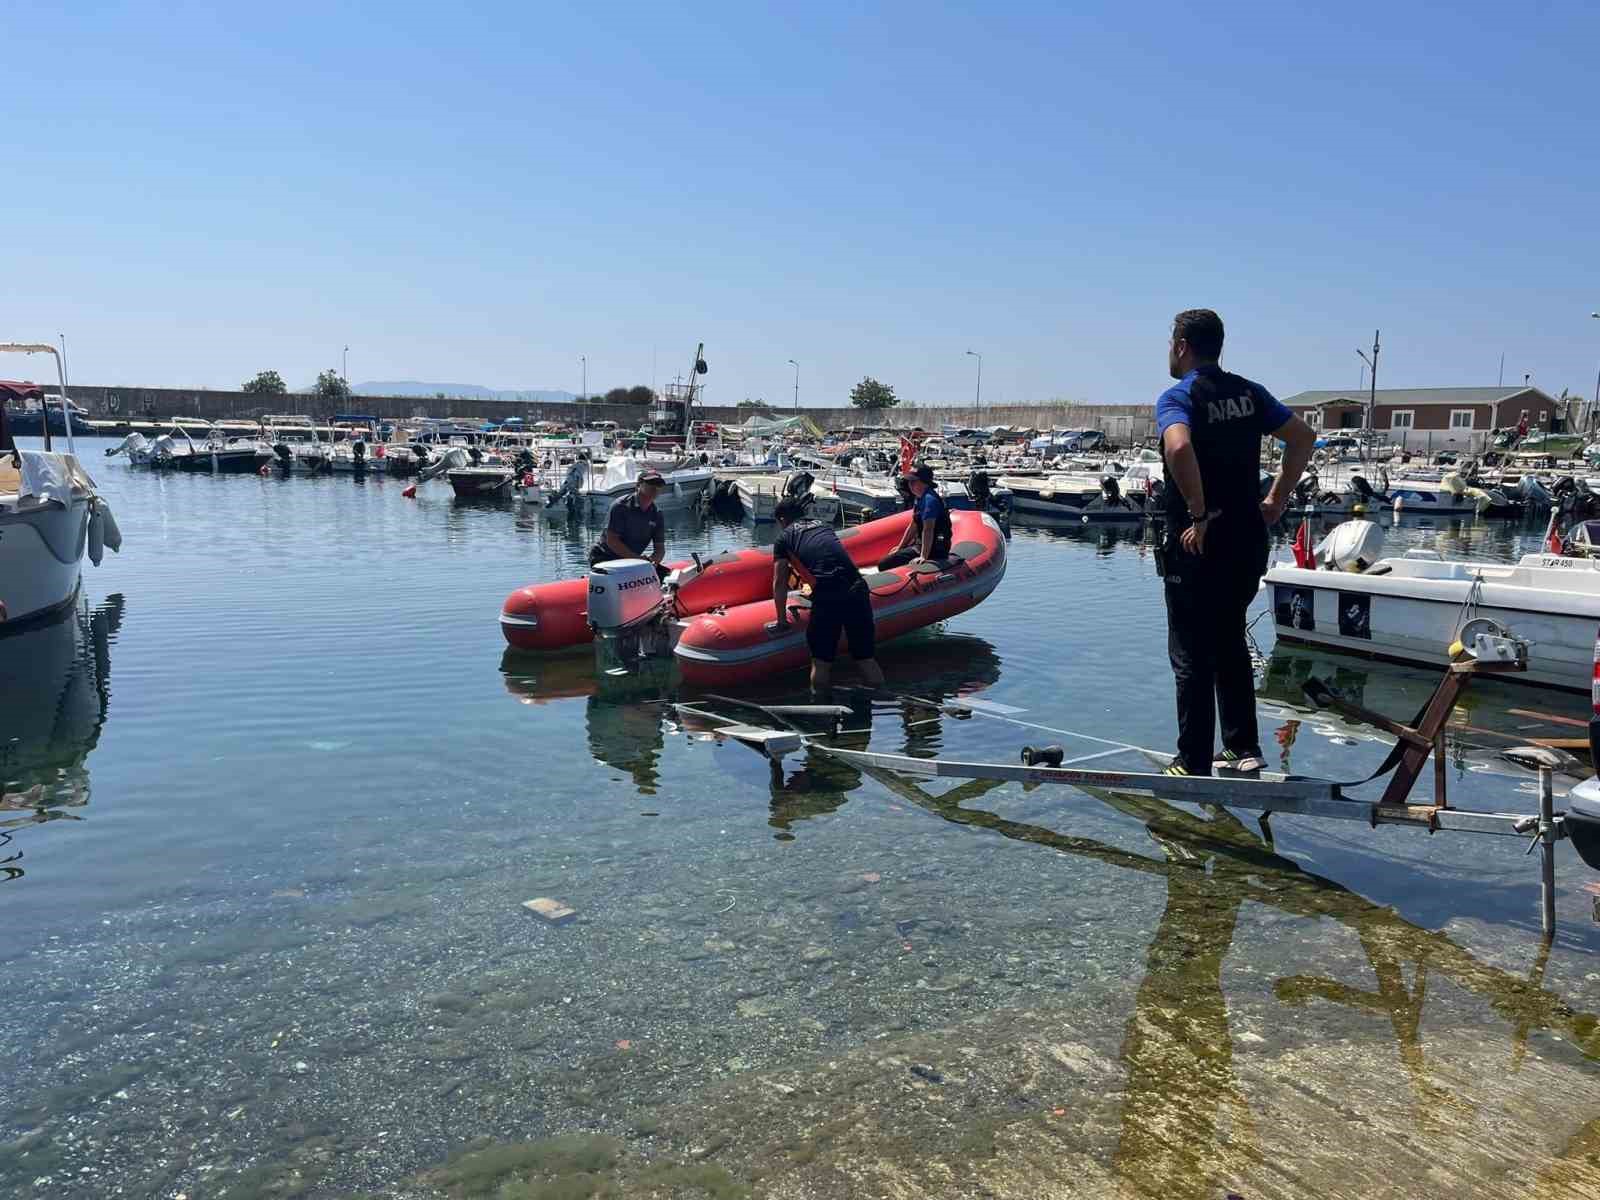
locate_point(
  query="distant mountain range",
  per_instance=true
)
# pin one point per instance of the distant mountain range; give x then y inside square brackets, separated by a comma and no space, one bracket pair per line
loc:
[453,391]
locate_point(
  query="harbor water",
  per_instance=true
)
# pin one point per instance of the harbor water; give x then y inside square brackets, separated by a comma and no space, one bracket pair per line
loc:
[276,794]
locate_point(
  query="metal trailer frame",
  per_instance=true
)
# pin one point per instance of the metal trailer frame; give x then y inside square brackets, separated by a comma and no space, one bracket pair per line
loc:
[1262,792]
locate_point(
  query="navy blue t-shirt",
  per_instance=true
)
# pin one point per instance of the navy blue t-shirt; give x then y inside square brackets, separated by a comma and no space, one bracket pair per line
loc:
[818,553]
[1227,416]
[930,506]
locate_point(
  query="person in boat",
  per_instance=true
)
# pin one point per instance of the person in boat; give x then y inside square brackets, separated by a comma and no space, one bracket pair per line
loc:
[928,535]
[633,524]
[840,598]
[1215,547]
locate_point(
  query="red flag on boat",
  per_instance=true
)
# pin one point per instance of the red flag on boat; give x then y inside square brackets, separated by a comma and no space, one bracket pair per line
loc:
[1552,539]
[1302,545]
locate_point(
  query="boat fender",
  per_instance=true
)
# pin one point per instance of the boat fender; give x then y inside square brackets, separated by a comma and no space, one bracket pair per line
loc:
[1042,756]
[410,491]
[97,534]
[112,534]
[266,469]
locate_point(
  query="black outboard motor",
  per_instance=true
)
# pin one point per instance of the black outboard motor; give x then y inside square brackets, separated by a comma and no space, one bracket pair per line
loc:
[1110,491]
[358,451]
[284,453]
[1362,487]
[978,489]
[798,487]
[475,454]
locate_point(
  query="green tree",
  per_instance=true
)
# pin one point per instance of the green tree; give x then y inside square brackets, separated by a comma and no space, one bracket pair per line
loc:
[266,383]
[331,387]
[756,406]
[639,394]
[869,393]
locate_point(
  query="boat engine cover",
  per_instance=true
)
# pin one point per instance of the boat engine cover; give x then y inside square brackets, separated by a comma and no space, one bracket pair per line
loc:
[623,592]
[1353,546]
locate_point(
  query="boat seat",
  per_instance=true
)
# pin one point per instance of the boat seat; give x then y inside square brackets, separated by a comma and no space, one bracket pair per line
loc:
[877,579]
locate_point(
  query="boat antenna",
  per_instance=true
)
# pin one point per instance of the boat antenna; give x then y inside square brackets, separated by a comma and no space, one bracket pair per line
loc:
[66,404]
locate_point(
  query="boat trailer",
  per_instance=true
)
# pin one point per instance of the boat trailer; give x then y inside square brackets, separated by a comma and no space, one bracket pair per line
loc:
[1262,792]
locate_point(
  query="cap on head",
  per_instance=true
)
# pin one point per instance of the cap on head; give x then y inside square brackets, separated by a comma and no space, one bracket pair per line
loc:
[790,508]
[921,471]
[653,478]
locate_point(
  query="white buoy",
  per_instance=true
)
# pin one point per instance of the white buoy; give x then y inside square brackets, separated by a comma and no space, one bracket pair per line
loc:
[1399,503]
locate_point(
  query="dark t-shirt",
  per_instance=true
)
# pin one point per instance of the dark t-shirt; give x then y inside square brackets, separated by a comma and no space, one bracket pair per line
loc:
[1227,416]
[638,527]
[930,506]
[817,554]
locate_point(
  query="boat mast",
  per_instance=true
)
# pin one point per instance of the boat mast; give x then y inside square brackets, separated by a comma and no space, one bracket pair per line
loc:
[695,371]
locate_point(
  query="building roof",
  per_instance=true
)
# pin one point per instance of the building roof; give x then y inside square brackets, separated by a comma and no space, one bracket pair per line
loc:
[1456,397]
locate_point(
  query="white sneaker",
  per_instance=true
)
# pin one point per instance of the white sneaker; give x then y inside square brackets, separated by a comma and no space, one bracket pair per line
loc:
[1232,760]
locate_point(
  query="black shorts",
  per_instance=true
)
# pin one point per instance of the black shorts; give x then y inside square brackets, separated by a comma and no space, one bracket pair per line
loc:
[848,610]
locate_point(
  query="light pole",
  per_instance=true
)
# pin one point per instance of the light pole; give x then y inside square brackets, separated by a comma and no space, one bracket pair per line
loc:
[796,367]
[583,391]
[1594,413]
[978,396]
[1372,395]
[344,372]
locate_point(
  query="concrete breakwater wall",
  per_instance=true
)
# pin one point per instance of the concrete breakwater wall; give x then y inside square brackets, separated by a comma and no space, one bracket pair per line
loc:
[1125,422]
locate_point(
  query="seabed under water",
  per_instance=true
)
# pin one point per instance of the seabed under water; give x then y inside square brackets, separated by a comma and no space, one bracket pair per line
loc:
[273,942]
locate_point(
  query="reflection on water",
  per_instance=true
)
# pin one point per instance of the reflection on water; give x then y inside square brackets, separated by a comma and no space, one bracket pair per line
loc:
[55,687]
[1187,1126]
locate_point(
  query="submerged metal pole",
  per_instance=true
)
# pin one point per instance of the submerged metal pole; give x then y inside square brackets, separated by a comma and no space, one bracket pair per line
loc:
[1547,851]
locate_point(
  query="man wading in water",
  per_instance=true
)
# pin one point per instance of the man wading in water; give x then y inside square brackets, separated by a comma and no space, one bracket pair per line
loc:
[1215,549]
[840,599]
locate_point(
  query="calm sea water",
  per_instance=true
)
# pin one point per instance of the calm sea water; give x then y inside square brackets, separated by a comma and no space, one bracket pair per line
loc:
[269,940]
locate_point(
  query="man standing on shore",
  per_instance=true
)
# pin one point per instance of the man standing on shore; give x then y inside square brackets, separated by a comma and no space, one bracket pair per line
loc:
[1215,549]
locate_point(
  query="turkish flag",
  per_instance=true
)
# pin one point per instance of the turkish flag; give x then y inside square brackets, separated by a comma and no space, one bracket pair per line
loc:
[1302,544]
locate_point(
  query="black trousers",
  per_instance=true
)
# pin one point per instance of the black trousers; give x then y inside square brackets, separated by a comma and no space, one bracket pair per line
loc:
[1207,598]
[899,558]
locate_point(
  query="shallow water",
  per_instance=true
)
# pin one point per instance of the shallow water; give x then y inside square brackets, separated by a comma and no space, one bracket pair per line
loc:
[270,940]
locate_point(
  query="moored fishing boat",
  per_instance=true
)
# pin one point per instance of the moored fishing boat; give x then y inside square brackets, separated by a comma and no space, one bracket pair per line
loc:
[1416,607]
[50,516]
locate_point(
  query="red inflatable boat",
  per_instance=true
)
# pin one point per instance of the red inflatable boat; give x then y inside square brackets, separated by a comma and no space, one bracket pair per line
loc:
[735,646]
[554,616]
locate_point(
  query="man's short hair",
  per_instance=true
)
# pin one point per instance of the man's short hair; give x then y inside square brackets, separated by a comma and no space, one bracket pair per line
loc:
[1202,329]
[789,509]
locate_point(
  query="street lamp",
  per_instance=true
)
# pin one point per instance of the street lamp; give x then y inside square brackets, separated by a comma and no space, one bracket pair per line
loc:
[796,367]
[583,391]
[1594,415]
[978,396]
[344,372]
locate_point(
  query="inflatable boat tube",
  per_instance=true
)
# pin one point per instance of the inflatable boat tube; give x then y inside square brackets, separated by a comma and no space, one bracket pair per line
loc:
[554,616]
[719,649]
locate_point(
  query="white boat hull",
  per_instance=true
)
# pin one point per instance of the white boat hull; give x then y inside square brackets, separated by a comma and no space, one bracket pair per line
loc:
[1407,619]
[41,558]
[675,497]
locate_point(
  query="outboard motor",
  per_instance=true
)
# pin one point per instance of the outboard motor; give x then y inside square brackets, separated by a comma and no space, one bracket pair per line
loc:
[284,452]
[798,487]
[475,454]
[1352,546]
[1533,492]
[358,451]
[1359,485]
[1110,491]
[625,609]
[978,489]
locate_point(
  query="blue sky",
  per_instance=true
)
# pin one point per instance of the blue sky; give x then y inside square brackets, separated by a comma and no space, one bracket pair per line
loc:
[484,193]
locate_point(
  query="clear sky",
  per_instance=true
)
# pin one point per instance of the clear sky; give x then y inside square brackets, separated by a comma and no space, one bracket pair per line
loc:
[484,193]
